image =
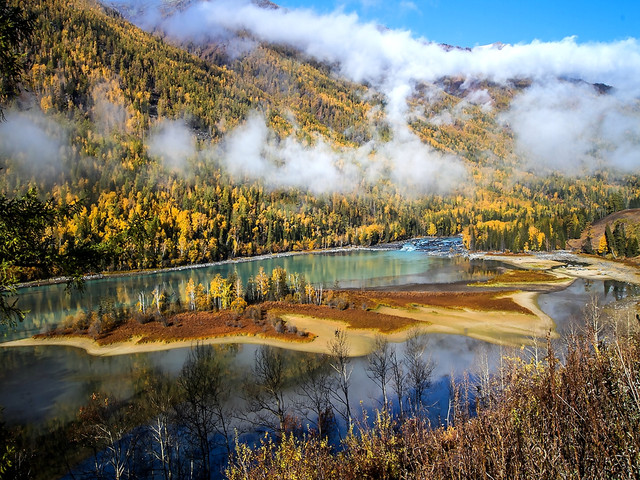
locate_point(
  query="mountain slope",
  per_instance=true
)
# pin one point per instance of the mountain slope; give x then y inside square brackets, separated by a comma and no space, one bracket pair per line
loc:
[624,227]
[177,158]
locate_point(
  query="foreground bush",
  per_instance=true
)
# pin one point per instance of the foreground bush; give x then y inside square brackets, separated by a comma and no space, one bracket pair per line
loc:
[576,418]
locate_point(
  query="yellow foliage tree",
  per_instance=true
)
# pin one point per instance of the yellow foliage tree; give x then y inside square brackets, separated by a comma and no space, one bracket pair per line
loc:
[190,292]
[603,245]
[262,284]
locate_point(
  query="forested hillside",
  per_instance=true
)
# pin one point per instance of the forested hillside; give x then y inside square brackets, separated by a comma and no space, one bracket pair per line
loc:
[137,131]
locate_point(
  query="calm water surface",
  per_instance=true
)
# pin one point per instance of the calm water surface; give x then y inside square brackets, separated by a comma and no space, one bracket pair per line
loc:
[39,384]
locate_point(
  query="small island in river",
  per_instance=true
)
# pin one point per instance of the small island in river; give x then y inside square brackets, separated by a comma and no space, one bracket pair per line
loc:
[501,310]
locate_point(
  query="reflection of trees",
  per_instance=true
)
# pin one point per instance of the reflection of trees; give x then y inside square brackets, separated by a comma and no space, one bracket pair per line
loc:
[266,393]
[380,365]
[315,384]
[103,425]
[419,367]
[203,410]
[339,349]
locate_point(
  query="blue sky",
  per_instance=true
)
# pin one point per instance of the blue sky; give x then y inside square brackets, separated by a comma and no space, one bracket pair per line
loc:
[471,22]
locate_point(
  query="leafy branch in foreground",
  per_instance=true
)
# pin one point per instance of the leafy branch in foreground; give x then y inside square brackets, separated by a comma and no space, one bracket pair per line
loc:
[27,243]
[16,27]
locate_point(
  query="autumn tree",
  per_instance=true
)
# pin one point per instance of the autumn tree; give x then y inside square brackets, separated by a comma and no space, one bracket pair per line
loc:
[190,292]
[603,245]
[262,284]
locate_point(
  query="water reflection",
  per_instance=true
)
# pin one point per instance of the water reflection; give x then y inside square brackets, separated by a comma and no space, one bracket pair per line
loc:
[567,306]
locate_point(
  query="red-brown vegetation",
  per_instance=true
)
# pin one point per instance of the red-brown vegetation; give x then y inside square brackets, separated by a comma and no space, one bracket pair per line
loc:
[521,277]
[482,301]
[354,317]
[188,326]
[356,309]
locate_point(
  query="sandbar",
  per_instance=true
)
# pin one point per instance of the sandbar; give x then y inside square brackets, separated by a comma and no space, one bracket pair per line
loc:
[514,327]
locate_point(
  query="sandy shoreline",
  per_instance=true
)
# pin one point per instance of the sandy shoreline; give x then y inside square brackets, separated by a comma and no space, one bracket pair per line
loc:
[130,347]
[571,265]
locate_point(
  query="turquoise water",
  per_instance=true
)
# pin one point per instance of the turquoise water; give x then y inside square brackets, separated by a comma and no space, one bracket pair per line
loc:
[51,304]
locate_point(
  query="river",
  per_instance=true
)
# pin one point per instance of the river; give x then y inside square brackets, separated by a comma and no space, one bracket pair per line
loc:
[49,383]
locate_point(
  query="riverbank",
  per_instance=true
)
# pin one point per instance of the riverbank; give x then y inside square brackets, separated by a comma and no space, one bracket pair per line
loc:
[570,264]
[508,318]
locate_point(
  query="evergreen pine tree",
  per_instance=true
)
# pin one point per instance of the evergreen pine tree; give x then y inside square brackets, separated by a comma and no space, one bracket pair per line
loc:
[610,240]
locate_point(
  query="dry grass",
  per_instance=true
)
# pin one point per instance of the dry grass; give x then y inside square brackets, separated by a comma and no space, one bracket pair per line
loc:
[479,301]
[576,418]
[520,277]
[353,317]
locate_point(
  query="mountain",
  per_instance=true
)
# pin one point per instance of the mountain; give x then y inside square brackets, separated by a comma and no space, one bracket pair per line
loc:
[195,148]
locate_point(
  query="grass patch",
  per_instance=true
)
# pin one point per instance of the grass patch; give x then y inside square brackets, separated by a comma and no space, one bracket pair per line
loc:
[511,277]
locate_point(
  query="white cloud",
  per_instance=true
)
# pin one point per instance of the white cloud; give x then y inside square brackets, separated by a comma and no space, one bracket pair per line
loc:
[552,121]
[173,143]
[569,127]
[107,115]
[367,53]
[35,143]
[410,7]
[251,151]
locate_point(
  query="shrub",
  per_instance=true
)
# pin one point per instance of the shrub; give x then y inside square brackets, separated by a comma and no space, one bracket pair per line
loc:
[341,303]
[292,329]
[279,326]
[238,305]
[142,318]
[254,312]
[78,323]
